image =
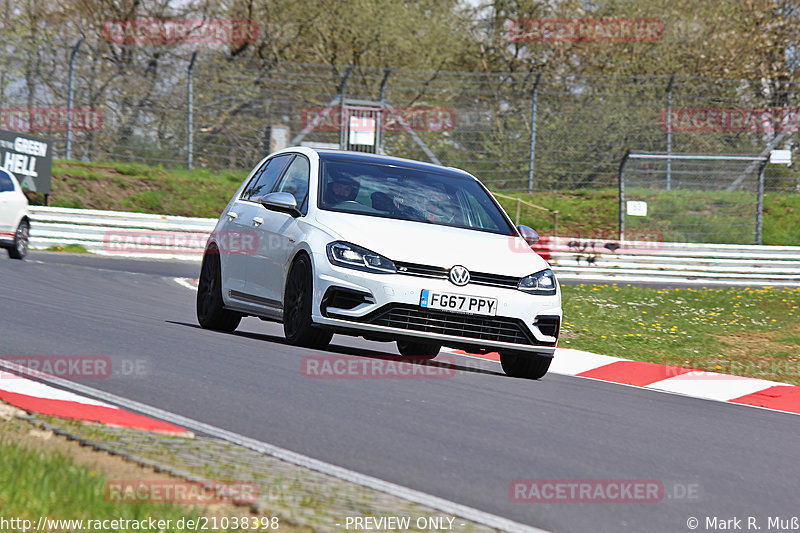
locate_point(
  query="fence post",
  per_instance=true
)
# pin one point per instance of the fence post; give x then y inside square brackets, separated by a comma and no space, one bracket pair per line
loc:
[669,132]
[379,130]
[70,98]
[555,223]
[760,201]
[344,134]
[190,111]
[622,195]
[534,105]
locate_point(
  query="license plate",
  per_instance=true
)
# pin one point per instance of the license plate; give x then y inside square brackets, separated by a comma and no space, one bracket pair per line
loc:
[462,303]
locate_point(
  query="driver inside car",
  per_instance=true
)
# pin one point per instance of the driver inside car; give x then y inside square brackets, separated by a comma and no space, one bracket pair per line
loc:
[341,188]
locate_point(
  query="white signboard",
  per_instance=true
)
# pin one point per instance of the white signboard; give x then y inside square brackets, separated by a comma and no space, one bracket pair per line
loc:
[636,208]
[780,157]
[362,131]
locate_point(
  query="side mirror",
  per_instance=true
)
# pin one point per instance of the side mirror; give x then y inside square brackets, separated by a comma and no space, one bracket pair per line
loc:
[282,202]
[529,234]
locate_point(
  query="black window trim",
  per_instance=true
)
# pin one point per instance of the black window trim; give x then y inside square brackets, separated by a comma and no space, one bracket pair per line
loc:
[283,173]
[258,173]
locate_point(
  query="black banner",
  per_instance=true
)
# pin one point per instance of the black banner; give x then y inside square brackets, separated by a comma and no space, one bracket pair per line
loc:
[29,158]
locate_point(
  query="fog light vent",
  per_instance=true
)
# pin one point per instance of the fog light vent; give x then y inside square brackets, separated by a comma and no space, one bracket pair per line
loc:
[548,325]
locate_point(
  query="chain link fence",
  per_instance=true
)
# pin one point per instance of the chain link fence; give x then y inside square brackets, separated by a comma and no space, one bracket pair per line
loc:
[516,131]
[691,198]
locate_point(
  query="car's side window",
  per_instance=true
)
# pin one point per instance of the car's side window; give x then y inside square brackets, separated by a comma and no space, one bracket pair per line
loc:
[247,192]
[262,181]
[295,182]
[5,183]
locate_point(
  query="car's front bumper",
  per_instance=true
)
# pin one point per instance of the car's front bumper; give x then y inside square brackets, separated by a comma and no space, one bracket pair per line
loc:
[387,307]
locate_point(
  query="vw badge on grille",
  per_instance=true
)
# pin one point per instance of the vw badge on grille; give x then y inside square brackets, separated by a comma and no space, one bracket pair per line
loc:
[459,275]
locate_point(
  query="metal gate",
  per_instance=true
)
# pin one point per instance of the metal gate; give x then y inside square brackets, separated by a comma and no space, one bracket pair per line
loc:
[361,126]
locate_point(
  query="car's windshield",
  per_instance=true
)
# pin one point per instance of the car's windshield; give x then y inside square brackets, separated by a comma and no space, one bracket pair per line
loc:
[402,193]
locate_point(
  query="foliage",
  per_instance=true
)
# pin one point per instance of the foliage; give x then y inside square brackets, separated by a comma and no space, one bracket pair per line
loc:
[595,99]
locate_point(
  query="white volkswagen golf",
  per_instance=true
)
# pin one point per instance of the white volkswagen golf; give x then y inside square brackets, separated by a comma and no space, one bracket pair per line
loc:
[390,249]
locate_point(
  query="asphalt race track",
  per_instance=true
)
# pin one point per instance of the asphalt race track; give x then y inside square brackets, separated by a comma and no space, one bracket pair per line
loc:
[464,438]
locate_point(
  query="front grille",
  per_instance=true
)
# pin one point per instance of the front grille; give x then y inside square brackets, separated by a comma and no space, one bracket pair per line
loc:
[413,318]
[494,280]
[478,278]
[413,269]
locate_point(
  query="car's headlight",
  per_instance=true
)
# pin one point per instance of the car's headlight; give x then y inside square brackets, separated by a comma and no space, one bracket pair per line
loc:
[543,282]
[352,256]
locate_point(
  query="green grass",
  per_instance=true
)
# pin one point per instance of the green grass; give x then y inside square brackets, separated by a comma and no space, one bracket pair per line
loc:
[589,213]
[745,331]
[37,483]
[71,248]
[595,214]
[781,218]
[142,188]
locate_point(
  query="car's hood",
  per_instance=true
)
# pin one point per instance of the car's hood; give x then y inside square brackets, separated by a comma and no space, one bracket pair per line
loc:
[429,244]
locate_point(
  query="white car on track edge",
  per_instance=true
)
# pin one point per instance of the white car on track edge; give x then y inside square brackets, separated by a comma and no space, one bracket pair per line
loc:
[14,216]
[390,249]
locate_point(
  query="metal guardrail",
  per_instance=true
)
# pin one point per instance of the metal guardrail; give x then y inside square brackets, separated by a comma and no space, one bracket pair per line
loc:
[670,262]
[174,237]
[120,233]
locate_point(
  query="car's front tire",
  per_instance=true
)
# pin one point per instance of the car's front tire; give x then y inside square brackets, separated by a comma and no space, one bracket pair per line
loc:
[297,299]
[210,311]
[20,248]
[524,365]
[418,350]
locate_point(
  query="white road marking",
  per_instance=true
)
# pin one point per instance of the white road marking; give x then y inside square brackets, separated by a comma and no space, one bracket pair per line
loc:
[19,385]
[186,282]
[571,362]
[712,386]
